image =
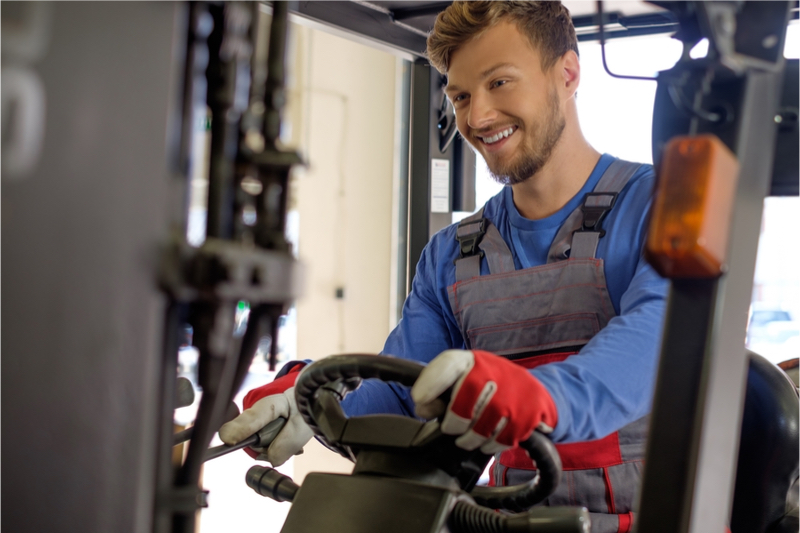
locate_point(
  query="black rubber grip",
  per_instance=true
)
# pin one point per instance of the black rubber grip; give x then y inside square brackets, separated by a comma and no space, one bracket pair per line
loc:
[349,368]
[521,497]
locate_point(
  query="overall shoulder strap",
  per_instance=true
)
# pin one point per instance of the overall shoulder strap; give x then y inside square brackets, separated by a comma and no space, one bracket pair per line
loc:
[477,237]
[580,233]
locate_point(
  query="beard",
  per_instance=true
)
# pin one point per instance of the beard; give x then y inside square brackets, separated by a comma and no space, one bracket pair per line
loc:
[532,155]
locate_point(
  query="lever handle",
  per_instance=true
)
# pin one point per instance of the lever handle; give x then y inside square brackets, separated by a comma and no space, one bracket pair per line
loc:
[262,439]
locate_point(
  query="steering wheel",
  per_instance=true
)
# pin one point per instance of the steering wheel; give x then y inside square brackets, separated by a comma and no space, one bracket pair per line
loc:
[321,387]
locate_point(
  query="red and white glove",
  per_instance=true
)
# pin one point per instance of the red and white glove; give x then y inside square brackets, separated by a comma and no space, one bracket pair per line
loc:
[263,405]
[494,405]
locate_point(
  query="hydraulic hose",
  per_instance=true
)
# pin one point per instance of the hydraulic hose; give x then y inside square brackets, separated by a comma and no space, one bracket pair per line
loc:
[521,497]
[469,518]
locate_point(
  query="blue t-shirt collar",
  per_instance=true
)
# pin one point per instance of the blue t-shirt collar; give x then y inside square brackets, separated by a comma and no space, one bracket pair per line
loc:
[557,218]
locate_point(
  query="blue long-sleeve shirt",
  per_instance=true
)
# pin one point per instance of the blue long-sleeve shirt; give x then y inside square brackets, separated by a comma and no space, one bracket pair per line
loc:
[610,382]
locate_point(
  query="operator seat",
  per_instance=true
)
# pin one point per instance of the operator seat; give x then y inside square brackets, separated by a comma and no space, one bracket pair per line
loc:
[765,495]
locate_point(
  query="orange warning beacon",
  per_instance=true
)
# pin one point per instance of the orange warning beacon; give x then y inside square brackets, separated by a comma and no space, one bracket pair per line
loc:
[692,208]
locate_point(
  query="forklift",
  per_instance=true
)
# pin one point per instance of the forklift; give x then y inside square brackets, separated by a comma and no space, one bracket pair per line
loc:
[723,445]
[408,466]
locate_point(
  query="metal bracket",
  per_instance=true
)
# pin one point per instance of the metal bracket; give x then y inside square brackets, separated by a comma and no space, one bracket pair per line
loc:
[225,270]
[760,47]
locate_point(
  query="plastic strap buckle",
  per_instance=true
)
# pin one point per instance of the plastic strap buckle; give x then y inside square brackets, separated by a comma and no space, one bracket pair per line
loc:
[468,243]
[595,206]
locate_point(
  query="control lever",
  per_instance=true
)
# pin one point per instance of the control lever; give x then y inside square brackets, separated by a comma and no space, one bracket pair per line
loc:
[261,439]
[186,434]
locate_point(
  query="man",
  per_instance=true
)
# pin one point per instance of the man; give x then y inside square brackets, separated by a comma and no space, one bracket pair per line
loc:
[540,308]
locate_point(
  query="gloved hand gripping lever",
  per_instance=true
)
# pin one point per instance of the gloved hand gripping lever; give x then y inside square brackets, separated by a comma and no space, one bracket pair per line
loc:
[262,439]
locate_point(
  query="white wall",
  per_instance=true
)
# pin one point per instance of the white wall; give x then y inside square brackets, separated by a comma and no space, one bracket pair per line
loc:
[342,109]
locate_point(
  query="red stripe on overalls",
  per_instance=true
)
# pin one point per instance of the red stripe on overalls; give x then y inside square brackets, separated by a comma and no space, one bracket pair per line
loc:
[599,453]
[625,523]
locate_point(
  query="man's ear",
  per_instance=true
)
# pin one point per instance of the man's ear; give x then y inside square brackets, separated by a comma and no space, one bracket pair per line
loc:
[570,68]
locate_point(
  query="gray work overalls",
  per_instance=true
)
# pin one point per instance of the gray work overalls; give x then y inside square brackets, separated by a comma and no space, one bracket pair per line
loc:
[544,314]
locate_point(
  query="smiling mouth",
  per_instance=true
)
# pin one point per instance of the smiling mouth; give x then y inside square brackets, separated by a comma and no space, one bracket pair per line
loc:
[497,137]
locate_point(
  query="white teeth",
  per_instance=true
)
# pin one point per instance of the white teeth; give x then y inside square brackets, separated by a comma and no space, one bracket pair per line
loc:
[496,137]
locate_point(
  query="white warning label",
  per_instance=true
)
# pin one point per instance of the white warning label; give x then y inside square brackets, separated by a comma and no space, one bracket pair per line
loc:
[440,186]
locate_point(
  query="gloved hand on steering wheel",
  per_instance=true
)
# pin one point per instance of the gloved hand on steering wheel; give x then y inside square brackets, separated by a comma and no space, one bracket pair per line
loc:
[263,405]
[494,405]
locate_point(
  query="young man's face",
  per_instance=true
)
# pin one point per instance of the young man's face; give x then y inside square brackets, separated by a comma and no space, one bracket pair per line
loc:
[506,106]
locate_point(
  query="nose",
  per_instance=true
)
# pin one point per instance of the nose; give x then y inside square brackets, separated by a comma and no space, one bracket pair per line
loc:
[481,113]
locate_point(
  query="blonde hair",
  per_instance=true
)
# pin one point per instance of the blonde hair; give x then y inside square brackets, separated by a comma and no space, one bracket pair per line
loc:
[547,25]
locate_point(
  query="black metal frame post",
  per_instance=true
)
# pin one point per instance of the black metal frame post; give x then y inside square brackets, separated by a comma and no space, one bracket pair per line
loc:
[692,448]
[442,136]
[418,167]
[401,287]
[442,165]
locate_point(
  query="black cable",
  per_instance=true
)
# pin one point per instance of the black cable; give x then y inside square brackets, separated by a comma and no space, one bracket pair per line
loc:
[518,498]
[468,518]
[674,92]
[603,50]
